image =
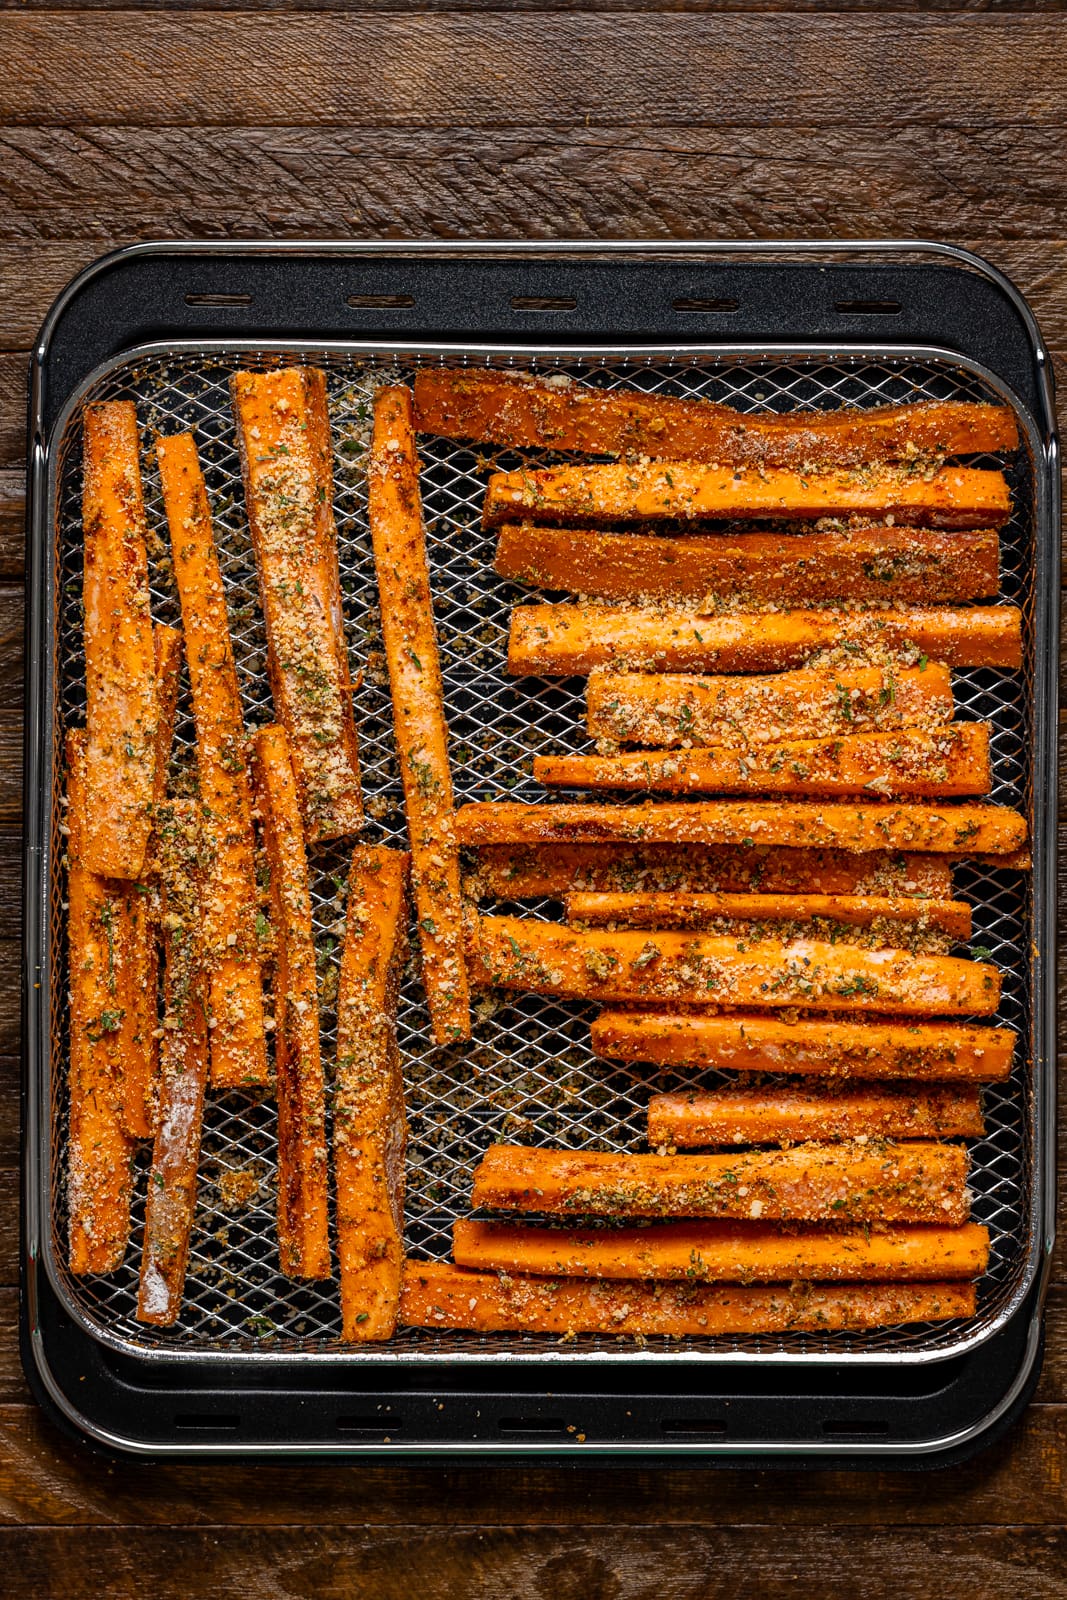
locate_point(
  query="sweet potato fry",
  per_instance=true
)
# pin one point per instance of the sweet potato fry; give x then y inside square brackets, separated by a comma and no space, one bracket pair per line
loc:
[122,710]
[742,1114]
[911,763]
[283,429]
[238,1041]
[559,641]
[854,1048]
[369,1124]
[954,497]
[913,1182]
[395,513]
[956,830]
[700,969]
[303,1226]
[516,872]
[762,913]
[903,565]
[171,1200]
[524,411]
[726,1252]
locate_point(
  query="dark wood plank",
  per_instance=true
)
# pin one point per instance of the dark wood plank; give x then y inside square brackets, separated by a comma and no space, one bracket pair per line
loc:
[541,6]
[12,524]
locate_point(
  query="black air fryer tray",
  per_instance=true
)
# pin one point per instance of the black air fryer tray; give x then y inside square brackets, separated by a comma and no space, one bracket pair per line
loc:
[257,1370]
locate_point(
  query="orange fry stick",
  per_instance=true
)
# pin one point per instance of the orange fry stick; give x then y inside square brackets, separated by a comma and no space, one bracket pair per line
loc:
[950,830]
[912,763]
[516,872]
[410,639]
[369,1122]
[303,1226]
[437,1295]
[698,969]
[122,709]
[913,1182]
[238,1041]
[761,912]
[867,1048]
[99,1181]
[562,640]
[726,1252]
[171,1199]
[283,429]
[904,565]
[765,1115]
[954,497]
[527,411]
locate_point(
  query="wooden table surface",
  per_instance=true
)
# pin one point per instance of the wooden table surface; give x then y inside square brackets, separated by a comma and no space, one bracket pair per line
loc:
[657,118]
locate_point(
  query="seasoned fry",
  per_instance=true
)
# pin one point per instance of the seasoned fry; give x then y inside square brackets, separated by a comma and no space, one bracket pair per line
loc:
[303,1226]
[695,969]
[949,830]
[761,913]
[935,763]
[726,1252]
[558,641]
[526,411]
[171,1200]
[953,497]
[408,632]
[238,1041]
[100,1183]
[122,709]
[826,1048]
[765,1115]
[914,1182]
[283,430]
[516,872]
[904,565]
[670,709]
[369,1124]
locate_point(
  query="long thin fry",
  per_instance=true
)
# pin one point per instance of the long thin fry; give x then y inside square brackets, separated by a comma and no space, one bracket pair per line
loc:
[902,565]
[827,1048]
[913,1182]
[283,431]
[764,913]
[122,709]
[410,639]
[563,640]
[726,1252]
[303,1225]
[526,411]
[238,1041]
[172,1180]
[954,497]
[369,1122]
[698,969]
[777,1115]
[911,763]
[950,830]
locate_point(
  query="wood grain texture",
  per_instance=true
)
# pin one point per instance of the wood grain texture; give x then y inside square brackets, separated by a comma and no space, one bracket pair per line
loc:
[541,6]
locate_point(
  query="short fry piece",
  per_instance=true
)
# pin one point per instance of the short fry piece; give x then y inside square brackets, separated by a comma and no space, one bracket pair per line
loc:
[122,709]
[856,1048]
[171,1198]
[303,1227]
[238,1041]
[395,512]
[370,1127]
[726,1252]
[99,1181]
[910,763]
[562,640]
[526,410]
[283,429]
[905,565]
[917,1182]
[954,497]
[741,1114]
[717,912]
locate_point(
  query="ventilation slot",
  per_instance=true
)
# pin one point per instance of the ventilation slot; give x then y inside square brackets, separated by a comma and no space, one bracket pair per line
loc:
[693,1428]
[531,1428]
[215,1422]
[380,302]
[218,299]
[690,304]
[542,302]
[868,308]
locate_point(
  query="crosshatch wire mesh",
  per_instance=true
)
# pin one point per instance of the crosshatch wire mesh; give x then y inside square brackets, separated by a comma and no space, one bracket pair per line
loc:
[528,1076]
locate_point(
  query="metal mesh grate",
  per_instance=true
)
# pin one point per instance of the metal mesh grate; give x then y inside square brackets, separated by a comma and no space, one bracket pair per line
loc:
[529,1074]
